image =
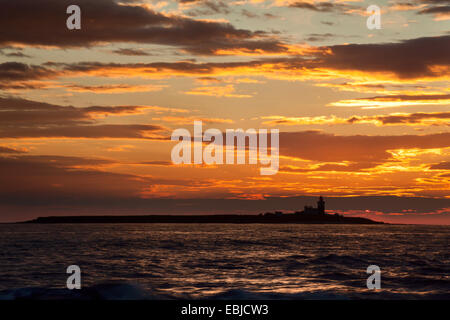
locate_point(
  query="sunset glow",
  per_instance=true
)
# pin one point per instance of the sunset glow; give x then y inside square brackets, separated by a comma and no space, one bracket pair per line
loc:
[86,115]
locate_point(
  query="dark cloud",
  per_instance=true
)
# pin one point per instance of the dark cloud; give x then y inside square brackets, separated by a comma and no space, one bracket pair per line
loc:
[270,16]
[111,131]
[435,10]
[5,150]
[18,111]
[156,163]
[209,79]
[131,52]
[106,21]
[15,71]
[324,6]
[45,182]
[13,52]
[22,86]
[435,1]
[412,118]
[352,167]
[404,97]
[441,166]
[65,161]
[249,14]
[407,59]
[53,177]
[319,36]
[319,146]
[207,7]
[21,76]
[185,67]
[432,7]
[31,119]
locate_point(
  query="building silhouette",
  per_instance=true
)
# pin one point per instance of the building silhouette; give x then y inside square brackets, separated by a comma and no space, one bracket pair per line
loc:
[319,210]
[308,210]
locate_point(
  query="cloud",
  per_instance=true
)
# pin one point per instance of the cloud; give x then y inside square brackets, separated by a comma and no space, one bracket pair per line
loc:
[390,101]
[421,58]
[441,166]
[15,71]
[407,59]
[52,177]
[38,183]
[156,163]
[227,91]
[418,118]
[191,119]
[7,150]
[289,121]
[342,8]
[415,119]
[319,36]
[21,76]
[249,14]
[333,167]
[131,52]
[208,80]
[424,59]
[380,88]
[440,9]
[115,88]
[110,131]
[18,111]
[31,119]
[16,52]
[206,8]
[108,21]
[319,146]
[24,85]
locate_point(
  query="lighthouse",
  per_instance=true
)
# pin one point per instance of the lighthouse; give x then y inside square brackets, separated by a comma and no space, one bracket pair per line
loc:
[321,205]
[319,210]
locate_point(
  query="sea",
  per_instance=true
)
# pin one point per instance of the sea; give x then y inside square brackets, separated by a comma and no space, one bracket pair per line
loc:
[224,261]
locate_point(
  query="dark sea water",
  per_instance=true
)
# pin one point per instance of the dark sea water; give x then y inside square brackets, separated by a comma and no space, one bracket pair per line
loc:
[219,261]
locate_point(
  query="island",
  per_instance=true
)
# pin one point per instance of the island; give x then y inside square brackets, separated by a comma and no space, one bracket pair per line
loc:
[309,215]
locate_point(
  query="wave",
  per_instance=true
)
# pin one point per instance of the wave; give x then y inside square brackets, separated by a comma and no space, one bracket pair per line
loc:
[128,291]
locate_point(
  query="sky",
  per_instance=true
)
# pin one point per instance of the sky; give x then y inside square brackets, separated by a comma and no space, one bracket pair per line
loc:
[86,115]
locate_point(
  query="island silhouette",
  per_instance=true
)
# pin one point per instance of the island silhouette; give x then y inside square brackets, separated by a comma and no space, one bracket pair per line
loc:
[310,215]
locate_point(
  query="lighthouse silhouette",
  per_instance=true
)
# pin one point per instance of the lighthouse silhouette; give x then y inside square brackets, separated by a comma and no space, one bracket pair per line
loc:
[321,205]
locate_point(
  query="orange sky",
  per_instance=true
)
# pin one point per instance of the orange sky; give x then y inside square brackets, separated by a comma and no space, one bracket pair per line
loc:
[86,115]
